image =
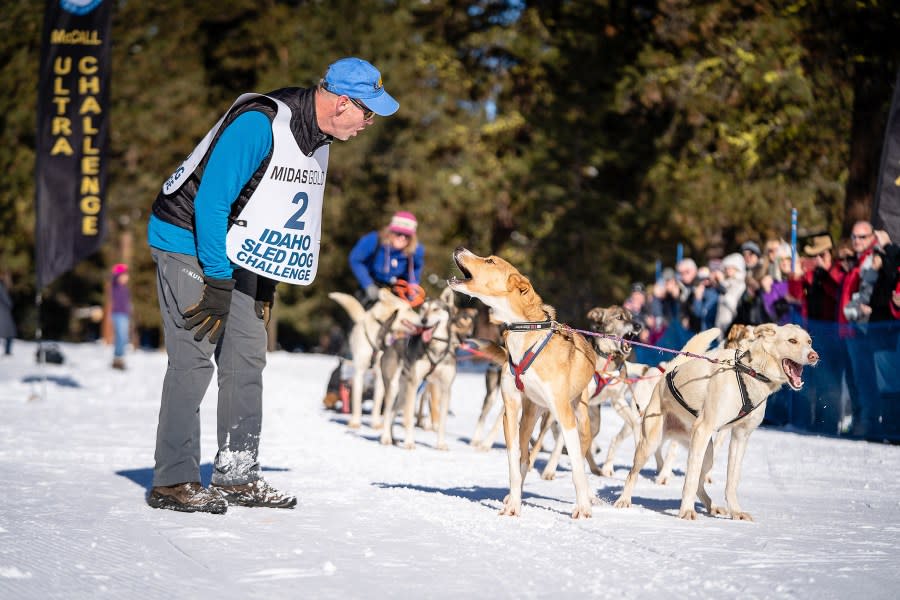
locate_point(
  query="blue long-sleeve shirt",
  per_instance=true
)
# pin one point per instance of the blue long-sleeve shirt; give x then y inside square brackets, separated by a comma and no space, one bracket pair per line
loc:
[239,151]
[372,262]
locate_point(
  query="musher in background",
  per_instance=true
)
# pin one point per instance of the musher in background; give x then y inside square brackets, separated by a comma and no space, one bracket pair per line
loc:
[387,257]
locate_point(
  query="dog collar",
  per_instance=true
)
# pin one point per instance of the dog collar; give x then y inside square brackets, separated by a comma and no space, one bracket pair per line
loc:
[530,325]
[745,368]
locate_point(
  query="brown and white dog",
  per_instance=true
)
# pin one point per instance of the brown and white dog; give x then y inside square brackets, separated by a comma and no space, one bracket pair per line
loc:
[462,325]
[619,325]
[549,370]
[366,342]
[429,356]
[699,397]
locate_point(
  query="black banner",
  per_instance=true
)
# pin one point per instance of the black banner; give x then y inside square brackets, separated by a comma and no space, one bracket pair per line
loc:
[886,206]
[72,134]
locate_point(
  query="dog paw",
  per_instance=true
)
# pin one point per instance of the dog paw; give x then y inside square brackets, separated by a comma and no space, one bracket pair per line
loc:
[475,442]
[662,480]
[386,441]
[548,475]
[688,515]
[376,425]
[443,446]
[409,445]
[741,516]
[354,424]
[623,503]
[595,501]
[482,447]
[582,512]
[606,471]
[511,509]
[718,511]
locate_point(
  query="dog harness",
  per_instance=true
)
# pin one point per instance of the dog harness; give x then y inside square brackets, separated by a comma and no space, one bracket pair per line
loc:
[599,380]
[746,406]
[601,383]
[531,354]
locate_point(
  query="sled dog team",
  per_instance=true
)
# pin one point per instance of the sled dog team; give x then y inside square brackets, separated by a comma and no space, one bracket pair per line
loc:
[549,372]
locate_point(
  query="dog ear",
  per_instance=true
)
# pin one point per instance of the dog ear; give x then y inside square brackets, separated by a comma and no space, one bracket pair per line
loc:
[596,314]
[518,282]
[447,297]
[765,330]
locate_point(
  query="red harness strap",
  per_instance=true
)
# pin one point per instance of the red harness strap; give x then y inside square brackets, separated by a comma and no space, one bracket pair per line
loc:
[527,359]
[601,381]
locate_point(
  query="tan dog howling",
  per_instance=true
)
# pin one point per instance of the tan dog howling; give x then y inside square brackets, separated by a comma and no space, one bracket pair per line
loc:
[698,397]
[548,370]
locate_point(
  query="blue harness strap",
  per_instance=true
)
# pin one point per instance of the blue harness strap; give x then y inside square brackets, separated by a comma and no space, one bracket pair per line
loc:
[527,359]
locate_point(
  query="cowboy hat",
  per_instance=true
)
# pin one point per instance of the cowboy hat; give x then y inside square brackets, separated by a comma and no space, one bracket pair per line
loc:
[817,244]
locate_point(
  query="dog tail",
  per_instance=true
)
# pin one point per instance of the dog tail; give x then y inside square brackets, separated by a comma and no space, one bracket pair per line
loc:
[696,345]
[349,303]
[485,349]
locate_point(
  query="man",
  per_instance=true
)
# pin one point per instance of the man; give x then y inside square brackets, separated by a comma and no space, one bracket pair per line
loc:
[750,309]
[699,299]
[241,213]
[865,299]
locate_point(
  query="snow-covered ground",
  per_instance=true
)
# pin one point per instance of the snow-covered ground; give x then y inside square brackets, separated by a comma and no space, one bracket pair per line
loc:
[76,459]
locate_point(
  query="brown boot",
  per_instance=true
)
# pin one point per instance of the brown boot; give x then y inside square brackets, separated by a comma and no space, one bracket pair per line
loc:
[187,497]
[255,493]
[118,363]
[331,400]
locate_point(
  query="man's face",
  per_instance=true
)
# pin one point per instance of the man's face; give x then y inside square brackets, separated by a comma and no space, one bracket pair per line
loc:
[343,117]
[687,273]
[861,237]
[750,258]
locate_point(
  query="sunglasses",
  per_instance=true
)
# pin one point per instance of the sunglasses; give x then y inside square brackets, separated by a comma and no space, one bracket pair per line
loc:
[367,112]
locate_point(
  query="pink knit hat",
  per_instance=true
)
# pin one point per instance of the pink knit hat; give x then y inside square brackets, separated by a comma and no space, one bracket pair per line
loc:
[119,268]
[403,222]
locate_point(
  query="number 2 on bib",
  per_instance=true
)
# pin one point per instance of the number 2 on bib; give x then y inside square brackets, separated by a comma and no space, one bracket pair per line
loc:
[294,222]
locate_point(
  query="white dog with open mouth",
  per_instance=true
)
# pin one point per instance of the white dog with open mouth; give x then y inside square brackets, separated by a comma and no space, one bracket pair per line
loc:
[698,397]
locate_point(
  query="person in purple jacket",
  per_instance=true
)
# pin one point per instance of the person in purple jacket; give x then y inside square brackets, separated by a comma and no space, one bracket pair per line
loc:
[120,313]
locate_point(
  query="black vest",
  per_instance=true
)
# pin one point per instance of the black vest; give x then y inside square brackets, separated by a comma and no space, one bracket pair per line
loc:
[178,208]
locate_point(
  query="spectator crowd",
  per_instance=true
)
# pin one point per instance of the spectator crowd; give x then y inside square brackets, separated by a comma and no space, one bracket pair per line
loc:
[846,295]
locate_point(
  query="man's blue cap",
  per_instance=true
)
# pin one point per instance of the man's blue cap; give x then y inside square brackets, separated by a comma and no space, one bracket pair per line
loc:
[359,80]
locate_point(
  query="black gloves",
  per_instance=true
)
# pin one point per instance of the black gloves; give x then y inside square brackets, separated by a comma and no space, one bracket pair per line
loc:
[265,297]
[372,292]
[211,312]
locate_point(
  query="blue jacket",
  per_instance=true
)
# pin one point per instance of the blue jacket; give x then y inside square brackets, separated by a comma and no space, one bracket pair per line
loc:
[236,156]
[381,264]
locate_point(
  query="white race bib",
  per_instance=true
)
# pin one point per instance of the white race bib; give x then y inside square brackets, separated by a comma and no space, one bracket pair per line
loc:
[193,159]
[277,234]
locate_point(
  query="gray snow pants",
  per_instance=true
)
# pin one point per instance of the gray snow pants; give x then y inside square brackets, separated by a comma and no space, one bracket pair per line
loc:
[240,358]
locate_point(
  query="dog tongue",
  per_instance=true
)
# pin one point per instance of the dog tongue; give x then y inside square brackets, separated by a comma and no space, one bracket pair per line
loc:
[795,372]
[427,333]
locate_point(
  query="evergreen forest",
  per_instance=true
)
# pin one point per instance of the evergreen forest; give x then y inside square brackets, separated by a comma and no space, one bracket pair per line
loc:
[581,140]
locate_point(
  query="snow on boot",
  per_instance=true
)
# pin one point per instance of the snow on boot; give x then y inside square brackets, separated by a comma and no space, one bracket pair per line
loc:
[255,493]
